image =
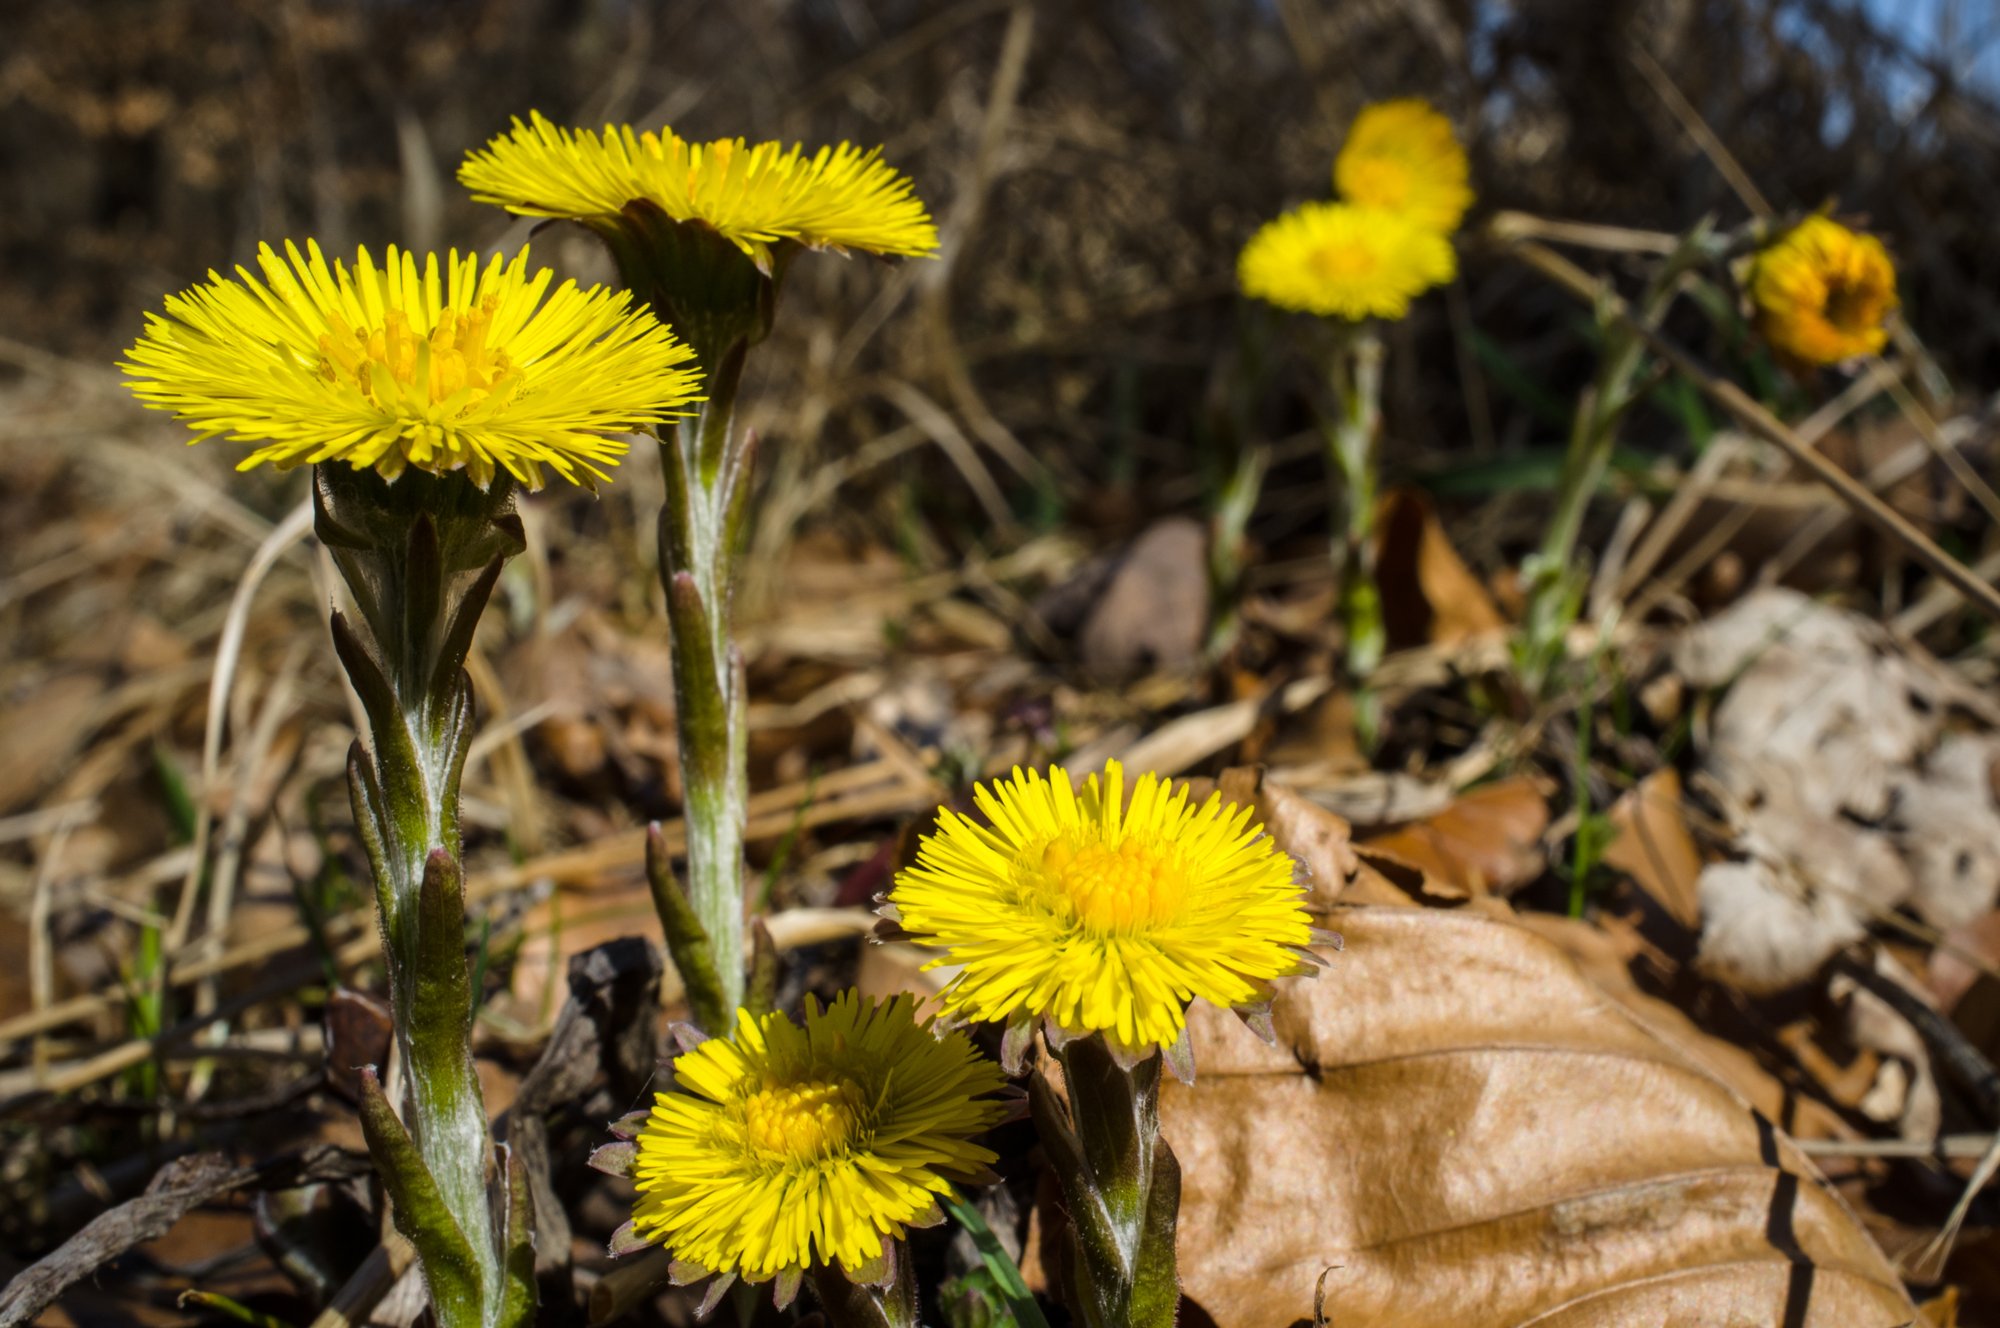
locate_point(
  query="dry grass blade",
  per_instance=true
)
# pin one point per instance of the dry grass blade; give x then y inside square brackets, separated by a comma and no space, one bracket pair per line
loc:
[1697,129]
[228,654]
[371,1281]
[1946,1146]
[1929,1265]
[932,418]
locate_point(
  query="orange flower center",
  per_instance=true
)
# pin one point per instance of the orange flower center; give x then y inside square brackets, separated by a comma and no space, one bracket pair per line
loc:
[804,1122]
[391,364]
[1337,263]
[1853,306]
[1110,888]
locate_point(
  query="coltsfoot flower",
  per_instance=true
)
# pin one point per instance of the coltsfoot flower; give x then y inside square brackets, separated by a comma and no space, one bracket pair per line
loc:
[442,366]
[782,1147]
[1402,156]
[1822,292]
[755,195]
[1341,260]
[1096,916]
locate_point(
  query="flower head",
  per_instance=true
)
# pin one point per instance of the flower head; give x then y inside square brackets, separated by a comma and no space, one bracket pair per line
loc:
[756,196]
[1102,917]
[1401,156]
[1344,261]
[452,366]
[1822,292]
[781,1146]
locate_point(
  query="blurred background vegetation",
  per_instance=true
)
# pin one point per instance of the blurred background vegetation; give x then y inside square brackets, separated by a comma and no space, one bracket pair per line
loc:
[1095,186]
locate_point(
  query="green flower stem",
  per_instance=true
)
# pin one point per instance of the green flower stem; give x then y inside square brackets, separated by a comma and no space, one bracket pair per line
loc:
[720,303]
[1352,436]
[708,470]
[421,556]
[1228,522]
[1121,1185]
[889,1304]
[1555,582]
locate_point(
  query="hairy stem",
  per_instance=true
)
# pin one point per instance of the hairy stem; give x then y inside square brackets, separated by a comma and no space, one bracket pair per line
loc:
[1121,1185]
[889,1304]
[1351,446]
[708,472]
[421,557]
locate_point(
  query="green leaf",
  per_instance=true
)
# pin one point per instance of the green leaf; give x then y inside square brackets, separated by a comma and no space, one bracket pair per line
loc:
[451,1270]
[394,750]
[687,939]
[440,1016]
[1006,1275]
[181,809]
[1532,469]
[1515,381]
[457,640]
[760,993]
[519,1292]
[1156,1285]
[372,823]
[233,1309]
[423,588]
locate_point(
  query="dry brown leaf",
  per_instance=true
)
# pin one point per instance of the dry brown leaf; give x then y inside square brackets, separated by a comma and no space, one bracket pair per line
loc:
[1963,958]
[1429,595]
[44,728]
[563,926]
[1605,961]
[1654,848]
[1961,978]
[1940,1311]
[1319,841]
[1479,1137]
[1154,611]
[1487,842]
[897,968]
[1324,740]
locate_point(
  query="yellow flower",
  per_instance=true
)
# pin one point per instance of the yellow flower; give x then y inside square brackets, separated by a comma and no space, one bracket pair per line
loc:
[840,197]
[1822,292]
[1402,156]
[1344,261]
[446,368]
[1102,917]
[781,1146]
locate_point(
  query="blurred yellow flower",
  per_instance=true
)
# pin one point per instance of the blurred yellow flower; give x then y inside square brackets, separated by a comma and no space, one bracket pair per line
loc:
[1823,291]
[1102,917]
[446,368]
[839,197]
[1403,157]
[780,1146]
[1344,261]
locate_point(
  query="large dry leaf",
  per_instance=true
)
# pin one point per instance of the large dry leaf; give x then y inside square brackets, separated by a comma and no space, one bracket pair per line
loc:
[1603,955]
[1471,1133]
